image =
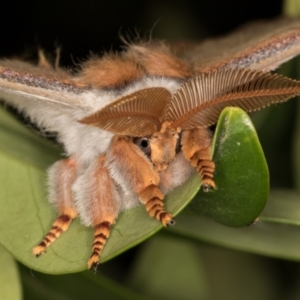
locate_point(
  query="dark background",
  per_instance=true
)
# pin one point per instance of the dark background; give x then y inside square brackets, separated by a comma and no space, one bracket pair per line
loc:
[83,26]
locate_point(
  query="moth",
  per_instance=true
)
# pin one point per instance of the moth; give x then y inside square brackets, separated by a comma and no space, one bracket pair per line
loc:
[135,125]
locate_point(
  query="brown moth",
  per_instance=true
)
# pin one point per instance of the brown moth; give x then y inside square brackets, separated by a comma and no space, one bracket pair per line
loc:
[135,124]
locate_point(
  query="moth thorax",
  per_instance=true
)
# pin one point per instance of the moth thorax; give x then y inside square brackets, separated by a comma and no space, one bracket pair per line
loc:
[163,146]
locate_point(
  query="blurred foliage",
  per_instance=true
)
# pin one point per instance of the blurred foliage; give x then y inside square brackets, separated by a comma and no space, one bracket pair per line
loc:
[197,259]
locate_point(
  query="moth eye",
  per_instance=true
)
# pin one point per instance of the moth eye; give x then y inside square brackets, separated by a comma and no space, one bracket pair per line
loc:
[178,144]
[144,144]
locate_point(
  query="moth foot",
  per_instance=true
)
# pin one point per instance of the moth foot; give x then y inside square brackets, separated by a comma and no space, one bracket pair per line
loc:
[165,218]
[93,262]
[208,184]
[101,234]
[38,250]
[171,222]
[60,225]
[155,209]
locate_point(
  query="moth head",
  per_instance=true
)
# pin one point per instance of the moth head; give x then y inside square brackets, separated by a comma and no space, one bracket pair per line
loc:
[161,146]
[158,116]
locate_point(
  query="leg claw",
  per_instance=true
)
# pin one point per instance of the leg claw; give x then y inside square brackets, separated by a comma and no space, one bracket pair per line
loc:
[171,222]
[208,185]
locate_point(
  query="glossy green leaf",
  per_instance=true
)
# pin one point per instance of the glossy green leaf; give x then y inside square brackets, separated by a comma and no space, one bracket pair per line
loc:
[276,232]
[10,285]
[241,174]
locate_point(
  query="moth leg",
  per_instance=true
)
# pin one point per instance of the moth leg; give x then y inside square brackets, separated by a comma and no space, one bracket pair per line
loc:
[196,147]
[139,176]
[98,203]
[61,177]
[152,197]
[101,234]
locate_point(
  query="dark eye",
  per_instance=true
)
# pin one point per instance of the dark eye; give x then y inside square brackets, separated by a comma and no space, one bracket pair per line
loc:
[143,144]
[178,144]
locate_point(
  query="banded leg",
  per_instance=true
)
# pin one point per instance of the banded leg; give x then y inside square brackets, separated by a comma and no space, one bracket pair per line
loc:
[101,234]
[139,175]
[98,203]
[61,177]
[196,145]
[152,197]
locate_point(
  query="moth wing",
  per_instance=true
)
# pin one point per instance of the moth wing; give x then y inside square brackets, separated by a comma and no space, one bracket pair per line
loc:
[199,102]
[260,45]
[24,85]
[137,114]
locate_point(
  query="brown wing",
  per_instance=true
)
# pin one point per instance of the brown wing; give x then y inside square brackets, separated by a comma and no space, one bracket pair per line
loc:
[34,83]
[199,102]
[261,45]
[137,114]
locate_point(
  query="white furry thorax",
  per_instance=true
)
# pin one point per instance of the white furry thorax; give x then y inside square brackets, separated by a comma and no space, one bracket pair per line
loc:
[87,142]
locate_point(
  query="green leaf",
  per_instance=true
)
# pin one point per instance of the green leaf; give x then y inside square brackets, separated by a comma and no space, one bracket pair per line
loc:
[28,216]
[241,174]
[276,233]
[10,286]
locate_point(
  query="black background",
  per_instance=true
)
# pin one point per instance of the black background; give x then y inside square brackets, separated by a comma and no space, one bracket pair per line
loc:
[81,27]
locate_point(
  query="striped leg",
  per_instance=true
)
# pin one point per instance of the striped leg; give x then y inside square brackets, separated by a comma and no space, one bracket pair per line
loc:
[140,176]
[61,224]
[152,197]
[61,177]
[101,234]
[196,149]
[98,203]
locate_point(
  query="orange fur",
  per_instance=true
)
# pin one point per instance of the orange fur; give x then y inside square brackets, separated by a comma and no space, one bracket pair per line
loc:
[102,206]
[194,140]
[196,149]
[65,177]
[143,178]
[110,71]
[158,60]
[133,162]
[163,146]
[113,71]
